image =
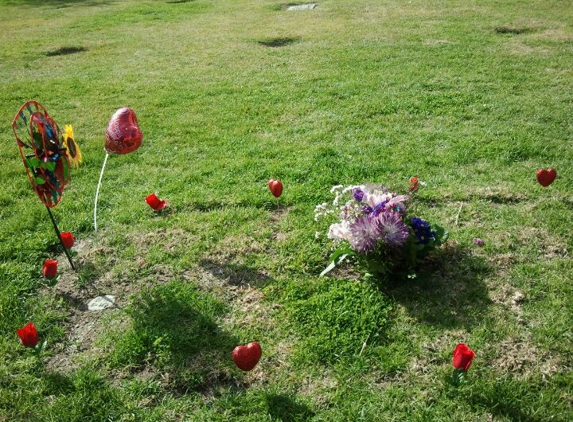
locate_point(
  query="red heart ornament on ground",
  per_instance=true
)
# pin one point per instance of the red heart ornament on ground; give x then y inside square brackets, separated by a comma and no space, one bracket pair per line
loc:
[546,176]
[123,134]
[276,187]
[247,357]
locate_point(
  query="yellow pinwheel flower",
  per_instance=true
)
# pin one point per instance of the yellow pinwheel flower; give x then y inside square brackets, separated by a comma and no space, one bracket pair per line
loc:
[72,148]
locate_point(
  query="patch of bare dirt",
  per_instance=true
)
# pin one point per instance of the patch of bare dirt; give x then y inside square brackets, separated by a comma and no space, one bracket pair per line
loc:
[433,352]
[319,388]
[97,274]
[434,42]
[236,248]
[509,298]
[556,34]
[279,213]
[169,239]
[520,358]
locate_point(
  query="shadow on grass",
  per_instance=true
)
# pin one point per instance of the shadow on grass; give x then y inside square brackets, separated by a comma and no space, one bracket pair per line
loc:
[449,292]
[64,51]
[236,275]
[57,383]
[278,42]
[174,330]
[520,400]
[266,405]
[284,408]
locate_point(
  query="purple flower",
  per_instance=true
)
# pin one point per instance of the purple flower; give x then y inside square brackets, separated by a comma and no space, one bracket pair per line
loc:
[478,241]
[366,209]
[392,228]
[358,194]
[364,232]
[378,208]
[422,230]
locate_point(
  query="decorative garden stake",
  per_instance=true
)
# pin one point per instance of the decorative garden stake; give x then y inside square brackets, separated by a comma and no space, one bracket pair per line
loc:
[154,202]
[47,155]
[463,357]
[29,335]
[546,176]
[121,137]
[247,357]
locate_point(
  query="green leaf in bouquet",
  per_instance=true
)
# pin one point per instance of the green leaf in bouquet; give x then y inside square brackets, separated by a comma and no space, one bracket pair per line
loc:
[339,255]
[441,234]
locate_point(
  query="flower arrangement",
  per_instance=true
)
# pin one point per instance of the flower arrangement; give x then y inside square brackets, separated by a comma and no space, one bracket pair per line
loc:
[376,232]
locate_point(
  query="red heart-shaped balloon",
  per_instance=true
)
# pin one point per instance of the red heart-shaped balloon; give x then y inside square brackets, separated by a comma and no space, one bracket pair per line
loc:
[276,187]
[546,176]
[246,357]
[123,134]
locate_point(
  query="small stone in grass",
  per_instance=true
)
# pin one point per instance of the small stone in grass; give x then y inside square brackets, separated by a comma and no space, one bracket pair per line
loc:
[100,303]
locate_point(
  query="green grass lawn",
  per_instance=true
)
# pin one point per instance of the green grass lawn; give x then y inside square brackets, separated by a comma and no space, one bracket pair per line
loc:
[470,96]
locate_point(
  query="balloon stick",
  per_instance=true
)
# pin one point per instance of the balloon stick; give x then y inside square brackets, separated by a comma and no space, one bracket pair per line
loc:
[97,191]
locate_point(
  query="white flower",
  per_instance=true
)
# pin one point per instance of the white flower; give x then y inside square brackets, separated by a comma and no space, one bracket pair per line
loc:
[336,188]
[376,197]
[348,189]
[339,231]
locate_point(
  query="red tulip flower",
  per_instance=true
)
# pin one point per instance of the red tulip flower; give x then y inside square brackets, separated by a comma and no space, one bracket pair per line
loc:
[67,239]
[50,269]
[276,187]
[29,335]
[154,202]
[463,357]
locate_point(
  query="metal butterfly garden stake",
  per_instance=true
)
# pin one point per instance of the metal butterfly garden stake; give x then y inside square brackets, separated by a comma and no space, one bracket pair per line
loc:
[47,155]
[121,137]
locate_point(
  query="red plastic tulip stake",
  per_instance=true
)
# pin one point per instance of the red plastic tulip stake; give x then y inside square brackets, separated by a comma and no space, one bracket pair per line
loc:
[50,272]
[28,334]
[67,239]
[276,188]
[154,202]
[247,357]
[121,137]
[463,357]
[50,269]
[546,176]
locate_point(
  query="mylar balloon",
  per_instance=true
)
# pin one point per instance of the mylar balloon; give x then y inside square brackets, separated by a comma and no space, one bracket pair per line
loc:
[123,134]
